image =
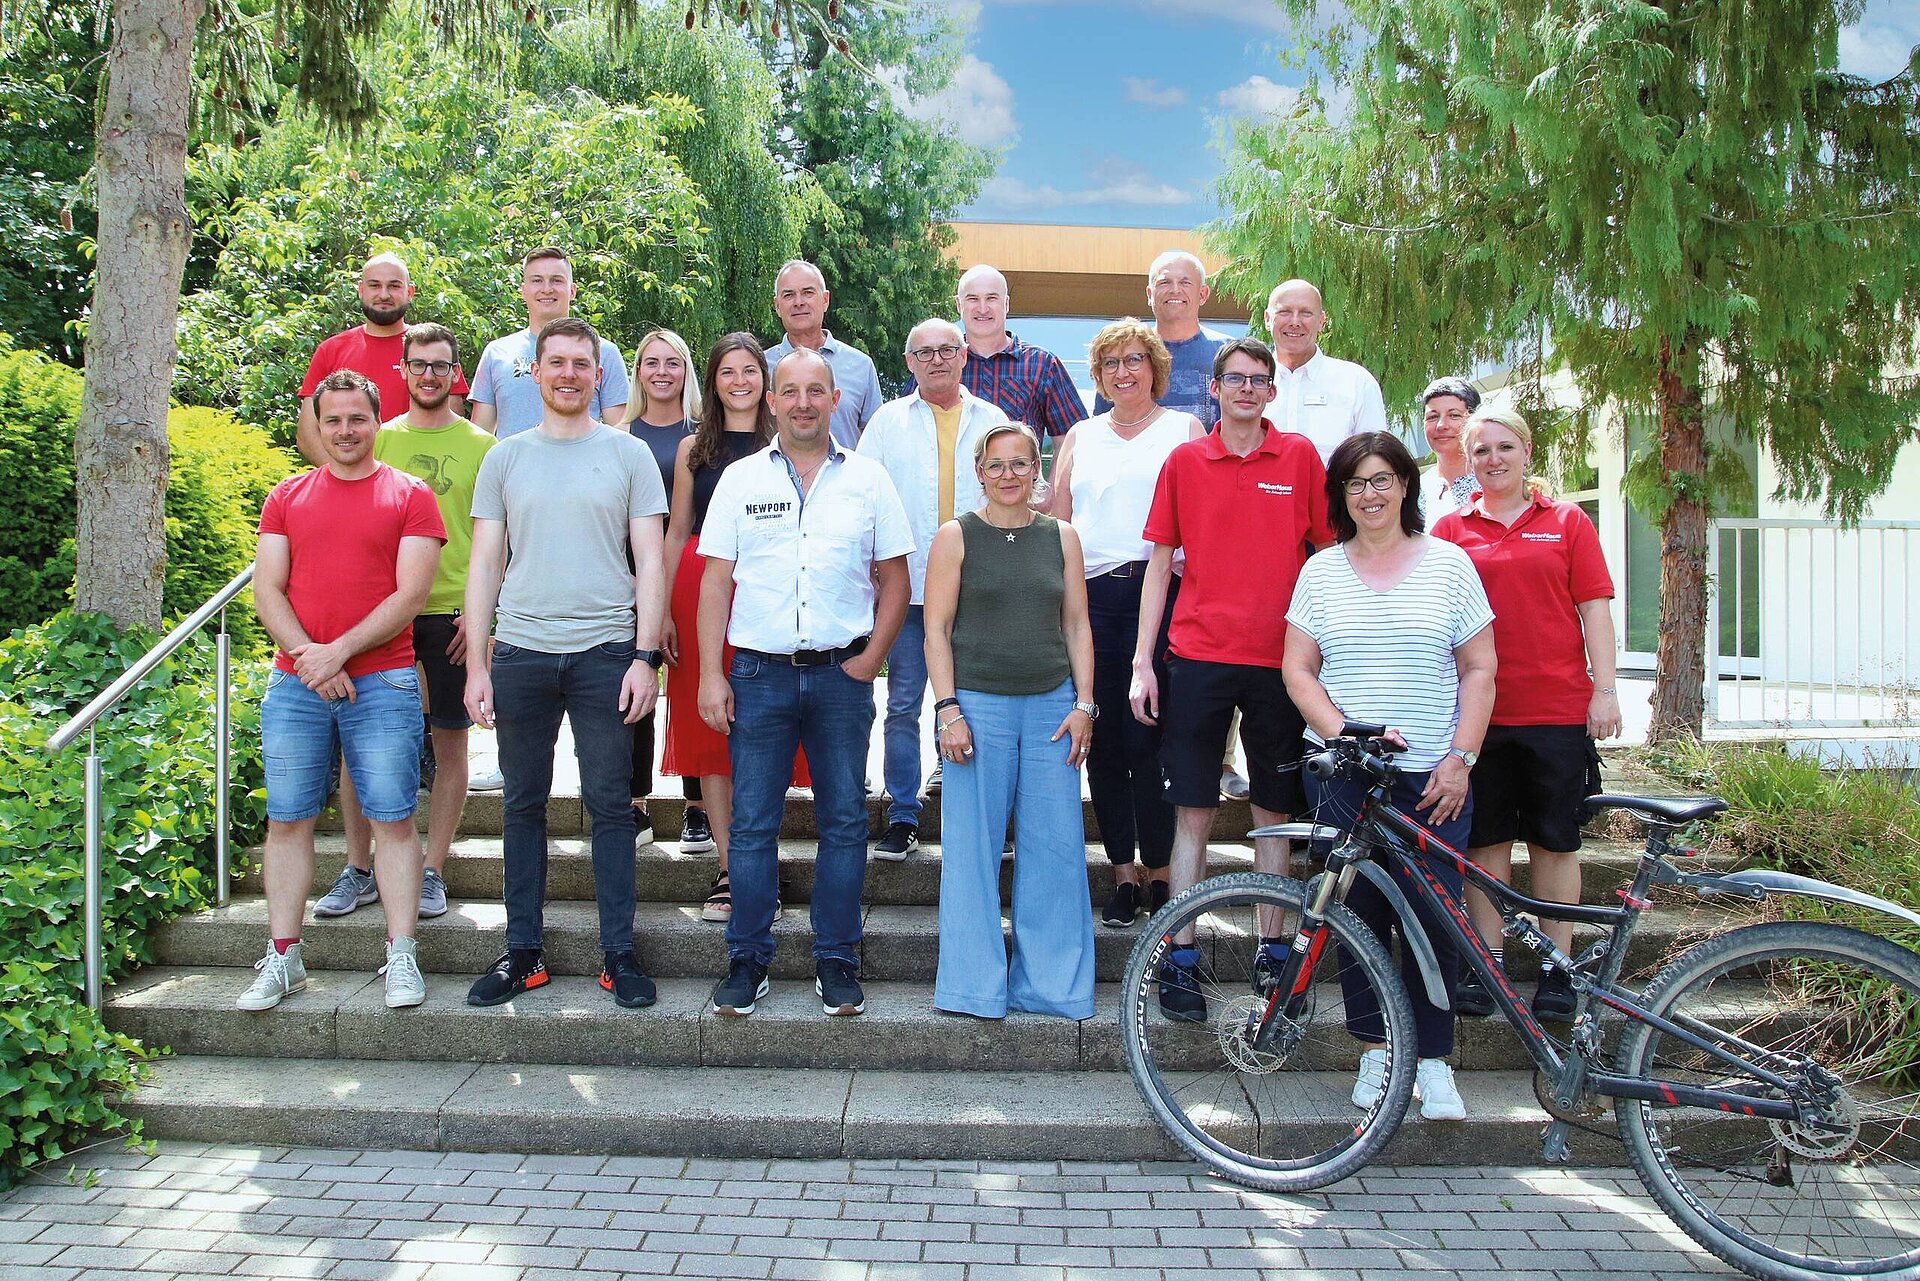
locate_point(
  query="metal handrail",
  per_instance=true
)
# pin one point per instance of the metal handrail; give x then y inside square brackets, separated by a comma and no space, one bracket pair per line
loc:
[83,723]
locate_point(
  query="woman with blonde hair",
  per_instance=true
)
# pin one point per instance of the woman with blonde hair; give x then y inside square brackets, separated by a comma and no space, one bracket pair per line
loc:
[1554,693]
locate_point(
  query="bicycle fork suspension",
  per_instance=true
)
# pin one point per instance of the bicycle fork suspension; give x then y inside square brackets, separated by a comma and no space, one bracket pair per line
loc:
[1309,941]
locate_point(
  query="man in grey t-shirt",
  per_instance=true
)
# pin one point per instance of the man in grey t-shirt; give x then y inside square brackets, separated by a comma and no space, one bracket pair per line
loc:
[578,635]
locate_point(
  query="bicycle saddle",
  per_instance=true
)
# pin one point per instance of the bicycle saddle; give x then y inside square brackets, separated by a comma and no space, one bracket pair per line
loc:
[1662,809]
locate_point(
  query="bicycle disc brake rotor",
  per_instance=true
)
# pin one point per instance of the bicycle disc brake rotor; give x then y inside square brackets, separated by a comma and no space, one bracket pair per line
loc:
[1832,1142]
[1234,1025]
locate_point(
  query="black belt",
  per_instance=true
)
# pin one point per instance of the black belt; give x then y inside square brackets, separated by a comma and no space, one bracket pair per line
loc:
[812,657]
[1132,569]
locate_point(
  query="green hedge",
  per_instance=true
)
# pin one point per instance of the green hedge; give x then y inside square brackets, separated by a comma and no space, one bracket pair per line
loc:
[59,1068]
[221,471]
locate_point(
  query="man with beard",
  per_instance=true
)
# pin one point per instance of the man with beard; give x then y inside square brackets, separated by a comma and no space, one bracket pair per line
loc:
[579,636]
[505,399]
[346,557]
[373,350]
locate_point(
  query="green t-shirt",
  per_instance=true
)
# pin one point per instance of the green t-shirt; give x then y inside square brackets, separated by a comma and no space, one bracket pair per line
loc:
[448,459]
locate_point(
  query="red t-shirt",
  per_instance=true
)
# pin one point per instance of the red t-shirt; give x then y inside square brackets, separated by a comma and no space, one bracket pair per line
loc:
[343,537]
[1245,525]
[1536,571]
[376,357]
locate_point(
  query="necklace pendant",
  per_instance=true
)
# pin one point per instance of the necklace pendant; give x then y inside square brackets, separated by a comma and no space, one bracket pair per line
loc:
[1009,535]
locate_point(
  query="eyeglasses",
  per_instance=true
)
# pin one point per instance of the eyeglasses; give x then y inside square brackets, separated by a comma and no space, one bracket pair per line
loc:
[1132,360]
[439,368]
[1233,382]
[927,355]
[1382,482]
[1001,466]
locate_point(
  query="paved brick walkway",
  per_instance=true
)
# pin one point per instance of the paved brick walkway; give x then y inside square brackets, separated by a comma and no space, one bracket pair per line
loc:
[191,1210]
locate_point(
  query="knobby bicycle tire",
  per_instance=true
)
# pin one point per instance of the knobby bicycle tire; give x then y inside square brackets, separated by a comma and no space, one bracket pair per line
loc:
[1781,1199]
[1283,1120]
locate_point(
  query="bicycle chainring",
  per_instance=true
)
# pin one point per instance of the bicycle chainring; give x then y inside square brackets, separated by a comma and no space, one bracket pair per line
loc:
[1589,1112]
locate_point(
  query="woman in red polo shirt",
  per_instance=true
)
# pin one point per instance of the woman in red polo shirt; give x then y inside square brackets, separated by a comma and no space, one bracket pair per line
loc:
[1554,694]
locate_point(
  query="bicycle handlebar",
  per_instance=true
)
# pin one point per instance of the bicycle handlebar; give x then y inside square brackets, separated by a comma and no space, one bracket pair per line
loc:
[1361,745]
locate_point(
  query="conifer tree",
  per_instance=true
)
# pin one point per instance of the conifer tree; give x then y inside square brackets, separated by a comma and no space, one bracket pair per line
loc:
[1686,205]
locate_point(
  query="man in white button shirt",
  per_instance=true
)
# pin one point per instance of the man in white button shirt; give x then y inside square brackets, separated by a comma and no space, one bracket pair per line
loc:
[1322,397]
[925,440]
[806,547]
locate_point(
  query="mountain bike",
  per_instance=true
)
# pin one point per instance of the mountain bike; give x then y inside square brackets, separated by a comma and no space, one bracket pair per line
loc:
[1754,1079]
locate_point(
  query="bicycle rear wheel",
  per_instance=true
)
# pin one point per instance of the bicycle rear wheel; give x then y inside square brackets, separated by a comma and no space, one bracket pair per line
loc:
[1280,1117]
[1829,1007]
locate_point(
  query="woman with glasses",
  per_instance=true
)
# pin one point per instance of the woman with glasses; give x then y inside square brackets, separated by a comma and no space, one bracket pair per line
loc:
[1010,658]
[1392,626]
[1103,482]
[1541,564]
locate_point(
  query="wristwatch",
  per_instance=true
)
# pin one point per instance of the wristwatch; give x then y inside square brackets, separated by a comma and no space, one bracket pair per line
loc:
[1091,709]
[651,657]
[1471,758]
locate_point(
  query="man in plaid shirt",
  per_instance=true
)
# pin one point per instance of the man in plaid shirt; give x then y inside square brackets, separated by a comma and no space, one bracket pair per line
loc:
[1029,383]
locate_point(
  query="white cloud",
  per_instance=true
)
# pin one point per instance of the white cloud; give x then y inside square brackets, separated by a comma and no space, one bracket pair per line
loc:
[1876,51]
[1151,93]
[1258,96]
[976,106]
[1130,187]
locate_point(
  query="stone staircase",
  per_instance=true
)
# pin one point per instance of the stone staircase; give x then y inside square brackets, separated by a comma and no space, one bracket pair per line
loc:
[563,1069]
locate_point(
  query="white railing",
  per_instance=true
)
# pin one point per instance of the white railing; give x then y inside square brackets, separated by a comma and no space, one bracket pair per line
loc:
[1825,624]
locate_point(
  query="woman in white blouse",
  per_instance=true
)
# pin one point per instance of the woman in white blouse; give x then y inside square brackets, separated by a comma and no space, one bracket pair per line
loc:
[1103,485]
[1392,626]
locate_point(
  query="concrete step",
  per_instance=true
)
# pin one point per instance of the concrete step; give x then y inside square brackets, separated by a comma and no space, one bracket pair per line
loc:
[671,940]
[664,875]
[751,1112]
[342,1014]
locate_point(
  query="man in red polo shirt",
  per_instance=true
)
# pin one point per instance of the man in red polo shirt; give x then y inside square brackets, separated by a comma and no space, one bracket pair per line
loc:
[1247,503]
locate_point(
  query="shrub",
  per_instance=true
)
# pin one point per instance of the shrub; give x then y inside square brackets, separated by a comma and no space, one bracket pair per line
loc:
[60,1068]
[221,471]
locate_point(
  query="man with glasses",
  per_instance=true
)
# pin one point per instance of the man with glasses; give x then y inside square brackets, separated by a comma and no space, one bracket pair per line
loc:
[1322,397]
[1176,290]
[925,441]
[506,398]
[1247,503]
[800,299]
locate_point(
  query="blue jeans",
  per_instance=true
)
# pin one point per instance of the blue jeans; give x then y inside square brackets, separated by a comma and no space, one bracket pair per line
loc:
[1014,770]
[906,690]
[531,690]
[776,708]
[378,732]
[1336,801]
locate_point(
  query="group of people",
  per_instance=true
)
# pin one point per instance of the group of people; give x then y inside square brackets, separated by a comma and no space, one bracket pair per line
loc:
[1232,537]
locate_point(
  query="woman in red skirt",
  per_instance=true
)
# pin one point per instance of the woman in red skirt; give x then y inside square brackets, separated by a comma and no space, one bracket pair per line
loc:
[734,422]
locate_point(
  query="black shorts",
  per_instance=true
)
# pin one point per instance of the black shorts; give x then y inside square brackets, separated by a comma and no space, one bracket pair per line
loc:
[1531,784]
[1196,710]
[446,680]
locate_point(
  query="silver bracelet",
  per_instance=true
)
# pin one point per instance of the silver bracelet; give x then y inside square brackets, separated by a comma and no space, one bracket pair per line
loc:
[1607,690]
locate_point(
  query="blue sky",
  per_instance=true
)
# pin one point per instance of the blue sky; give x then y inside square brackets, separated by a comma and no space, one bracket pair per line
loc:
[1109,112]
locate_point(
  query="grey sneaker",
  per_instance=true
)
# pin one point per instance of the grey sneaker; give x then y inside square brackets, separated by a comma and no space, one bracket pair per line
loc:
[405,985]
[433,895]
[279,975]
[354,889]
[487,778]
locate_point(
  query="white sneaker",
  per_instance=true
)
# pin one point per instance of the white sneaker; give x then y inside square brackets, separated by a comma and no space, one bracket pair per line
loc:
[1439,1096]
[405,985]
[488,779]
[1372,1082]
[280,975]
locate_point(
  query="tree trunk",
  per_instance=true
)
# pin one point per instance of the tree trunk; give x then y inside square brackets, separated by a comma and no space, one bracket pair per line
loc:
[120,443]
[1679,702]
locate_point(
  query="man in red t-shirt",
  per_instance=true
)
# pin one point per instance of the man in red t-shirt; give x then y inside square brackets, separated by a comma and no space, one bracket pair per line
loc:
[373,349]
[1246,503]
[346,557]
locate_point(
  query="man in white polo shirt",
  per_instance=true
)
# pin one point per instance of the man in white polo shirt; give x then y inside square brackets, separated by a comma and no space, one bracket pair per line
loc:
[925,441]
[806,547]
[1322,397]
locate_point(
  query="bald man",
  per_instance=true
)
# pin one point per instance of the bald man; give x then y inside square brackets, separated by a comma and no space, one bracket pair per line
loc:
[1028,383]
[374,349]
[800,299]
[1176,290]
[1322,397]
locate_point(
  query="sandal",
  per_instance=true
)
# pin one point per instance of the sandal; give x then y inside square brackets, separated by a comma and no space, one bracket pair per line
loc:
[719,904]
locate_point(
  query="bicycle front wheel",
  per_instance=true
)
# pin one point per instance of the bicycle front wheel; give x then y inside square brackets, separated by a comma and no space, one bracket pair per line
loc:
[1285,1114]
[1834,1011]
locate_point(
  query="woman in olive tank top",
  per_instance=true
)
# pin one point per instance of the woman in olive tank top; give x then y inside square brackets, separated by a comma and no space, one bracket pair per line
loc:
[1010,659]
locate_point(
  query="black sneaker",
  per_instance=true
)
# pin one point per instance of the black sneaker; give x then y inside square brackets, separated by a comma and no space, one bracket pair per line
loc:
[1554,999]
[933,779]
[1123,906]
[900,841]
[520,970]
[623,977]
[696,831]
[838,986]
[1471,999]
[1158,892]
[1181,999]
[746,982]
[642,826]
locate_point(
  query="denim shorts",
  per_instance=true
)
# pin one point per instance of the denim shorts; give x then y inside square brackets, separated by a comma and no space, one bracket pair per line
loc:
[378,733]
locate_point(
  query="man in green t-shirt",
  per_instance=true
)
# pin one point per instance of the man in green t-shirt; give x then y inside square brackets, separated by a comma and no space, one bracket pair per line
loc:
[440,447]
